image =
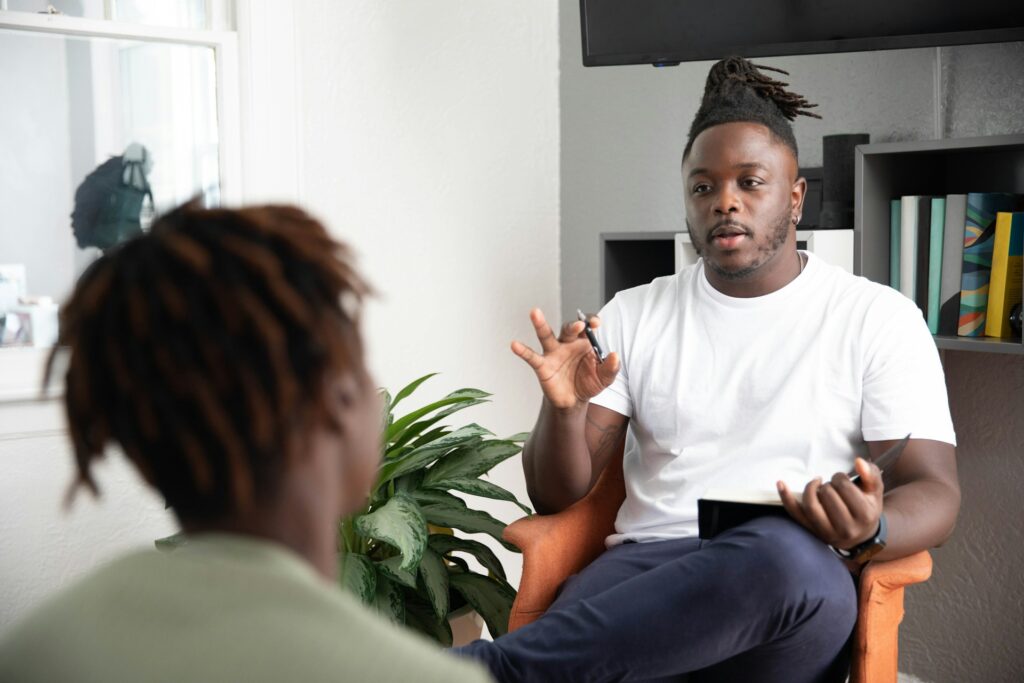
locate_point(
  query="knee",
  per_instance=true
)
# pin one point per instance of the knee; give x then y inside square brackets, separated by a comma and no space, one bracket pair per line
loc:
[795,569]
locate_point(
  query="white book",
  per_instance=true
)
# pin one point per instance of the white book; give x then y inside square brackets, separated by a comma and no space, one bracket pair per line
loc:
[908,245]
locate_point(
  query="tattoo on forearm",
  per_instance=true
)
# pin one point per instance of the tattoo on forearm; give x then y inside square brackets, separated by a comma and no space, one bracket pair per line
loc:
[610,435]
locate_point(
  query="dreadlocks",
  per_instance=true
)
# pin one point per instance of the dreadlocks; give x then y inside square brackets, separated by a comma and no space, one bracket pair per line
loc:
[201,347]
[737,91]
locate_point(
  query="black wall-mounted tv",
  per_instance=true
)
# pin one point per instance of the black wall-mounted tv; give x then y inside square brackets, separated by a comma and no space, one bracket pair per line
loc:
[666,32]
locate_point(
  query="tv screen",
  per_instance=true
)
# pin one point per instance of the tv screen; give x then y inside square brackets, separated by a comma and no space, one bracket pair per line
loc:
[664,32]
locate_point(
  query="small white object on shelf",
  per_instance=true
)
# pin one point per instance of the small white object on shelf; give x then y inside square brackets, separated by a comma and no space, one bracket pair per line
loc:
[831,246]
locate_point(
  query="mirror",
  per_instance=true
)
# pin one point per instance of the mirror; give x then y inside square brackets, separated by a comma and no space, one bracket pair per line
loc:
[98,136]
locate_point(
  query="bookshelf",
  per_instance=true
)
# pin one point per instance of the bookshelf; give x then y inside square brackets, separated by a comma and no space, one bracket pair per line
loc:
[886,171]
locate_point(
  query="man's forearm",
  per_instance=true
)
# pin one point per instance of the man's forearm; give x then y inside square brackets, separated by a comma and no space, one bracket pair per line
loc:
[920,515]
[556,460]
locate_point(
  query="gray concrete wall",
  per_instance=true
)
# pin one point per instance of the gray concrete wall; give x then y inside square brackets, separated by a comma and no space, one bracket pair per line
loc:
[623,130]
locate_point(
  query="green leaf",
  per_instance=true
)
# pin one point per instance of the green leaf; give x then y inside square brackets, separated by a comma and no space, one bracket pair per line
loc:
[408,389]
[357,576]
[460,396]
[444,544]
[431,436]
[471,463]
[478,487]
[459,562]
[420,616]
[444,509]
[392,569]
[172,542]
[491,599]
[401,524]
[389,601]
[417,427]
[410,482]
[521,437]
[428,453]
[434,573]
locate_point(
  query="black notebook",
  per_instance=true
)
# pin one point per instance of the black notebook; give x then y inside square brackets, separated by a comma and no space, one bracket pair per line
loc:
[722,509]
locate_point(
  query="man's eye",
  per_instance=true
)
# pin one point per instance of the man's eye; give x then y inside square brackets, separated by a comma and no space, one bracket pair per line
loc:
[701,188]
[750,182]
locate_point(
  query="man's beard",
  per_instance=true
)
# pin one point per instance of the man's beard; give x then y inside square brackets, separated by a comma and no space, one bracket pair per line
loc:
[765,251]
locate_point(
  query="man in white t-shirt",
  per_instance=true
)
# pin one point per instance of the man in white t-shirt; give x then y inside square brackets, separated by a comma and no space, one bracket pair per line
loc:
[759,367]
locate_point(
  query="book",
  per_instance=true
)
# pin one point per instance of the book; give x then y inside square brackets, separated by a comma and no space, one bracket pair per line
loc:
[915,224]
[720,509]
[910,208]
[935,244]
[976,268]
[923,239]
[952,259]
[894,244]
[1006,288]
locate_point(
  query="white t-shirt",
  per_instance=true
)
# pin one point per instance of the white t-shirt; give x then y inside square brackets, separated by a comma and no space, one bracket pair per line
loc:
[724,392]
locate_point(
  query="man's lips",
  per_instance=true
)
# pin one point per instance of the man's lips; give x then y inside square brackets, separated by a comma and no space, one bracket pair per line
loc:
[727,236]
[728,230]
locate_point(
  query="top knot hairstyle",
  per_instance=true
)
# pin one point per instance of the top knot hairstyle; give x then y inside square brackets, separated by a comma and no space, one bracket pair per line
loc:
[736,90]
[204,346]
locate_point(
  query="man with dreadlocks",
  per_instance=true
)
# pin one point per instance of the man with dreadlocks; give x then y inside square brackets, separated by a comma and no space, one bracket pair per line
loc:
[758,367]
[221,352]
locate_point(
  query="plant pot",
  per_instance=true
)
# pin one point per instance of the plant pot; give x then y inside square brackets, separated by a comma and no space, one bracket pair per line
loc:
[466,624]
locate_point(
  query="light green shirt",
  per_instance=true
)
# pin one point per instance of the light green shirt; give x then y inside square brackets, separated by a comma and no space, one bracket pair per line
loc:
[220,608]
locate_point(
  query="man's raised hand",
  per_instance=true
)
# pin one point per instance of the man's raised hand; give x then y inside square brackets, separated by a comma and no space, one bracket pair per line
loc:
[567,367]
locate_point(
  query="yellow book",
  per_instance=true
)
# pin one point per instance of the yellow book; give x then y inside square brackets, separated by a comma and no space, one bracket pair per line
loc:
[1007,285]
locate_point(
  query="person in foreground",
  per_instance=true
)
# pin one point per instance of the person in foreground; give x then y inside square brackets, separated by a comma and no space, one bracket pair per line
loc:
[221,352]
[760,367]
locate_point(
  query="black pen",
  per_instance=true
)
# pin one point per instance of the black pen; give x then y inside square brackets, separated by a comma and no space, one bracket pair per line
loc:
[884,461]
[590,335]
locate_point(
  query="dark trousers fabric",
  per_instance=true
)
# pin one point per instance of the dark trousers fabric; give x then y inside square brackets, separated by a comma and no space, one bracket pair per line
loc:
[764,602]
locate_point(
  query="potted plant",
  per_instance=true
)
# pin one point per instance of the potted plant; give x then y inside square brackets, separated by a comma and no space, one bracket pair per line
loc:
[399,554]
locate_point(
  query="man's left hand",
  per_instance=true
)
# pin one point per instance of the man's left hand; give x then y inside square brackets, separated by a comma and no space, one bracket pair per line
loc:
[841,513]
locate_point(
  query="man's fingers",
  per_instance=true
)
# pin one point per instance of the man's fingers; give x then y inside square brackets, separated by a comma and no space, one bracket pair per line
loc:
[545,335]
[607,370]
[839,516]
[870,475]
[792,505]
[816,518]
[571,332]
[534,359]
[855,499]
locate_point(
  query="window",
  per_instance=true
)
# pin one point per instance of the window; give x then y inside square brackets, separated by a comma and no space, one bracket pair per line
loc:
[105,124]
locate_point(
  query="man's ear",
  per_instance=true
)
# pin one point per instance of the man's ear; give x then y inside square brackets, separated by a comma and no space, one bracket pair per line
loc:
[341,400]
[799,193]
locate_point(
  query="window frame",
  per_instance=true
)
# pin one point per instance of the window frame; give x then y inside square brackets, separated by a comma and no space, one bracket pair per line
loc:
[21,368]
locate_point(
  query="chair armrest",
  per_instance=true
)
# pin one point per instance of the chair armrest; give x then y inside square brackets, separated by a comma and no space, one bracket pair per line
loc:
[880,611]
[554,548]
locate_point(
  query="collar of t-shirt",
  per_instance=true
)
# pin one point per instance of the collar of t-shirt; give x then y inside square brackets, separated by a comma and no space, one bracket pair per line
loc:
[799,284]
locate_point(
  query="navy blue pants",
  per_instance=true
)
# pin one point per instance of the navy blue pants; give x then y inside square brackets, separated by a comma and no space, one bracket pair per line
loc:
[764,602]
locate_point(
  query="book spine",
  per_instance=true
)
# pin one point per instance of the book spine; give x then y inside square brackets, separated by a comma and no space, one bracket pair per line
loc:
[924,229]
[938,220]
[952,260]
[894,244]
[908,246]
[977,261]
[1005,288]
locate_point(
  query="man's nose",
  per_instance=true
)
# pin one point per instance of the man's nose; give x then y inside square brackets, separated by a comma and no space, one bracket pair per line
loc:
[727,202]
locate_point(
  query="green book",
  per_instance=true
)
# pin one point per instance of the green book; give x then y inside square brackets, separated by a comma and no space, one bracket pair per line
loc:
[935,239]
[894,243]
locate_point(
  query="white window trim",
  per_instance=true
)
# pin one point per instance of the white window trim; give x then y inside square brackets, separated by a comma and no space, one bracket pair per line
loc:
[261,108]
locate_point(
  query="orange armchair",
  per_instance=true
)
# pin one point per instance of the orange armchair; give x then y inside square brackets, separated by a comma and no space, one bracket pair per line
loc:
[557,546]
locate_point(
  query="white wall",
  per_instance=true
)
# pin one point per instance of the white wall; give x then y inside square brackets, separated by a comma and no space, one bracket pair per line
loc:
[431,144]
[426,135]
